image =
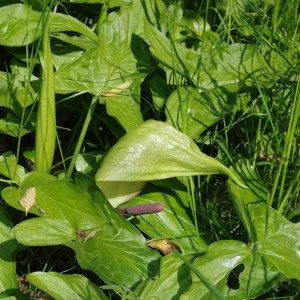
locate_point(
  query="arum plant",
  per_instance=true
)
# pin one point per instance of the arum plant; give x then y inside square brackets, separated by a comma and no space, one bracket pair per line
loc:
[151,151]
[46,118]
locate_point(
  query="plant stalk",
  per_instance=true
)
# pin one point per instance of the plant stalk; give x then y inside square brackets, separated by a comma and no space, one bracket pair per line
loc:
[82,135]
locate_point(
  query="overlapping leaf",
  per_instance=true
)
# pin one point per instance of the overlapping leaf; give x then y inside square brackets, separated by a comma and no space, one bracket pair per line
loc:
[13,95]
[78,216]
[174,279]
[217,264]
[237,270]
[9,167]
[117,59]
[191,111]
[272,256]
[231,67]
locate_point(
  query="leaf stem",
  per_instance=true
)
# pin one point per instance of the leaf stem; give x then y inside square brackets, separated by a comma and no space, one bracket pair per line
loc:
[288,146]
[82,135]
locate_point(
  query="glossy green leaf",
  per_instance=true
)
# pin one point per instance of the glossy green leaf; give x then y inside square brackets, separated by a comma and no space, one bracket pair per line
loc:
[156,150]
[44,232]
[118,255]
[63,287]
[232,67]
[174,279]
[231,267]
[192,112]
[9,167]
[78,216]
[152,151]
[21,26]
[218,263]
[173,223]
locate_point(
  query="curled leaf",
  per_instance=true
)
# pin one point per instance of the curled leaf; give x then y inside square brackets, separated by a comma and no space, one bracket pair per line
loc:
[84,235]
[89,236]
[118,90]
[28,200]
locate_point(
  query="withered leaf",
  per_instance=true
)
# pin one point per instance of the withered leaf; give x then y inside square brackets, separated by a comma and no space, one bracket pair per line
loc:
[163,245]
[28,200]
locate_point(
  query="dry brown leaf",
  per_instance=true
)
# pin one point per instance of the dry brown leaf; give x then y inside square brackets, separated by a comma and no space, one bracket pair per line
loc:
[163,245]
[28,200]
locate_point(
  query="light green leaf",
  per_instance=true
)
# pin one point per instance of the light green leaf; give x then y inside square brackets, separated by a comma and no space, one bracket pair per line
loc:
[21,26]
[156,150]
[192,112]
[58,199]
[45,134]
[62,287]
[152,151]
[44,232]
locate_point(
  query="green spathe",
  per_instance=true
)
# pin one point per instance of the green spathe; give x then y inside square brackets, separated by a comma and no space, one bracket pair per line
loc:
[154,150]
